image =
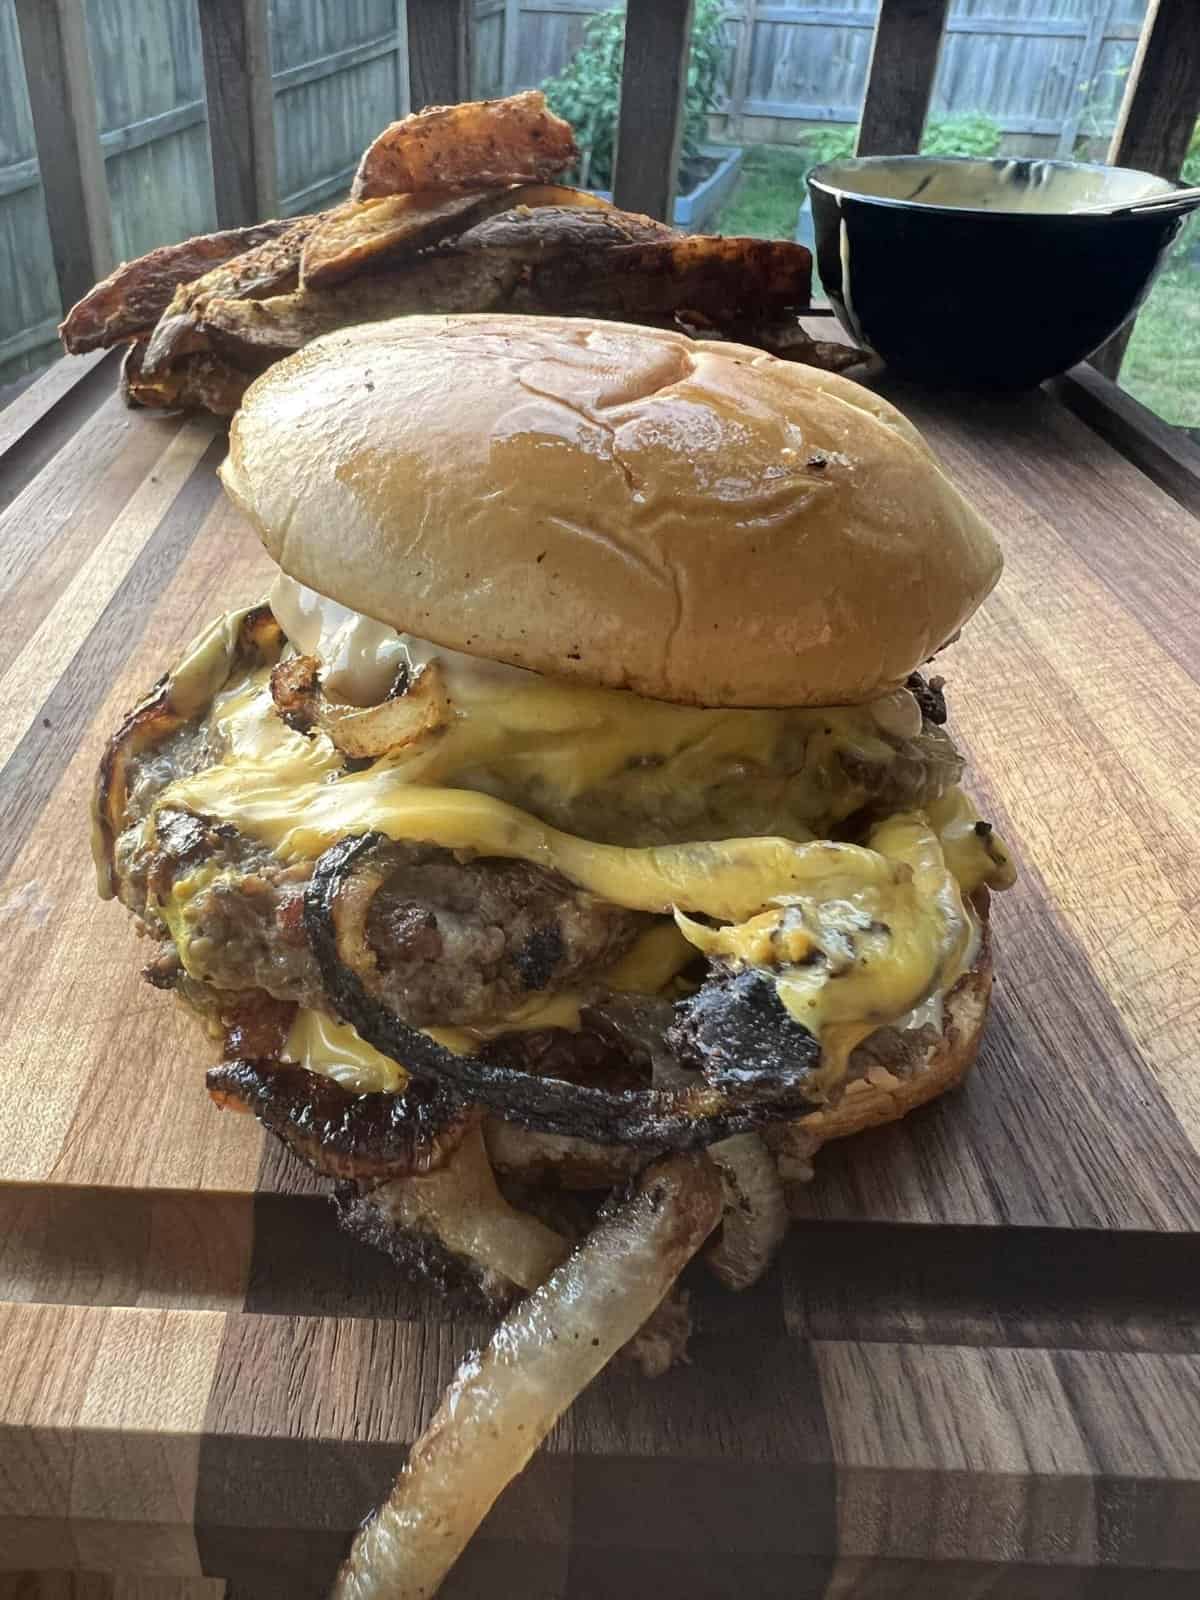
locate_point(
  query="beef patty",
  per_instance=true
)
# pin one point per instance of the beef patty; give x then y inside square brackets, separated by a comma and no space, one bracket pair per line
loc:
[457,941]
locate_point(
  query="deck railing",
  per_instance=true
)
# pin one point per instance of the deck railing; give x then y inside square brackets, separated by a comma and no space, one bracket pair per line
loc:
[1159,110]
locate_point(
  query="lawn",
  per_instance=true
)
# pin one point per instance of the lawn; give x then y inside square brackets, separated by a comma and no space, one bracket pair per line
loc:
[770,192]
[1162,365]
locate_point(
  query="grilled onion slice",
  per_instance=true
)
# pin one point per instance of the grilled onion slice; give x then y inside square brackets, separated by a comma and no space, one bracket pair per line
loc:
[362,732]
[503,1403]
[367,1137]
[720,1099]
[454,1224]
[755,1216]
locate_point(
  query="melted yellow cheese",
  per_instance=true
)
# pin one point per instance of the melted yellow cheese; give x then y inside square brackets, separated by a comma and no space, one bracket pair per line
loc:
[867,953]
[608,764]
[888,919]
[335,1050]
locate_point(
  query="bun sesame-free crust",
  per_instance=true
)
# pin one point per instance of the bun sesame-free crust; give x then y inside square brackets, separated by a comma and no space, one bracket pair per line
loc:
[615,505]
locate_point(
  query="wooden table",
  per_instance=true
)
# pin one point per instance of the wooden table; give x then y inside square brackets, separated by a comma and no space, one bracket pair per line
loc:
[976,1370]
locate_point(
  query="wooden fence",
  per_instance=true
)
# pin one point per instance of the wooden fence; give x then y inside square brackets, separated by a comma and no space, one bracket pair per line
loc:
[339,73]
[154,119]
[1043,70]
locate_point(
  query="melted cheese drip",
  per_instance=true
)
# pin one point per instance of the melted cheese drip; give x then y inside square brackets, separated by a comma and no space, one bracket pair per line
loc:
[888,919]
[587,756]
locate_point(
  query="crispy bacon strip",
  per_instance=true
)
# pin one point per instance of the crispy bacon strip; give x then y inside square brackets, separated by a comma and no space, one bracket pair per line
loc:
[132,298]
[480,144]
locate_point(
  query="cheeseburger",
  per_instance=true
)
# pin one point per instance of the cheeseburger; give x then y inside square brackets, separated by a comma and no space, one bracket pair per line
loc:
[580,769]
[577,802]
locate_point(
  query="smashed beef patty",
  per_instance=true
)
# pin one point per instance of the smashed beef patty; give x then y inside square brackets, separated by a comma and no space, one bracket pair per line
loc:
[457,942]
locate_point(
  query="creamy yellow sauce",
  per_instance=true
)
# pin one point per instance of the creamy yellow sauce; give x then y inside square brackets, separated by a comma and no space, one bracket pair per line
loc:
[856,936]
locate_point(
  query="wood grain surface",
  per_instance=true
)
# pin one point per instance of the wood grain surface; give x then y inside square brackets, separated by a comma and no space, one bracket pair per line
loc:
[975,1371]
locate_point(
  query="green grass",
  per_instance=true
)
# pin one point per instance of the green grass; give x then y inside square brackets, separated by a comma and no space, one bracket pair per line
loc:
[1162,364]
[769,194]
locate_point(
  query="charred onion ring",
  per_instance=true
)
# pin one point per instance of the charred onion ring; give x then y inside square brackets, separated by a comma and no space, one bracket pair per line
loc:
[258,638]
[724,1098]
[344,1135]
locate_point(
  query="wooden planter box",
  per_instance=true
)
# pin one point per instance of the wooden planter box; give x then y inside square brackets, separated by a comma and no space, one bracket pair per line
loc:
[696,208]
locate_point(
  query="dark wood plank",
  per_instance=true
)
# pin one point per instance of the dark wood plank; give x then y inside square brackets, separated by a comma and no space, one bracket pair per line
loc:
[1158,113]
[653,85]
[982,1580]
[439,52]
[1167,455]
[904,61]
[236,41]
[62,98]
[1047,1288]
[1028,1456]
[1162,96]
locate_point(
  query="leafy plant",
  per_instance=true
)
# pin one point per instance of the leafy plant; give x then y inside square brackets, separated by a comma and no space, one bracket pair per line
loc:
[587,92]
[830,144]
[971,135]
[1101,97]
[1190,171]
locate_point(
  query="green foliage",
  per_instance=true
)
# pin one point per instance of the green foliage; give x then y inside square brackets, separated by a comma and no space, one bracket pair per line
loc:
[972,135]
[1181,259]
[830,144]
[1101,99]
[1190,171]
[587,92]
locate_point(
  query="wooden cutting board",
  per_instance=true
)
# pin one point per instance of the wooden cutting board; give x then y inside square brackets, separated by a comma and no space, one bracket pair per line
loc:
[976,1370]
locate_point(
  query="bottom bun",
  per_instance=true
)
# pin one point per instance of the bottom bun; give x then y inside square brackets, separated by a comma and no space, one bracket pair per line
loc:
[882,1095]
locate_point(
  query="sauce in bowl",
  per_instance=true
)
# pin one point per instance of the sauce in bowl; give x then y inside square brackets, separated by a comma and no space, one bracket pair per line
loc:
[984,273]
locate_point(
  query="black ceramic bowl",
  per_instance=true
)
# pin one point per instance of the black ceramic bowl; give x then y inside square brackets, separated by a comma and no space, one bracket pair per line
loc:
[978,273]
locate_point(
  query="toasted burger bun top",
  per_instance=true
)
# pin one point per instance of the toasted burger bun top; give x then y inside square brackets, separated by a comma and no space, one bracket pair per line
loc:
[617,505]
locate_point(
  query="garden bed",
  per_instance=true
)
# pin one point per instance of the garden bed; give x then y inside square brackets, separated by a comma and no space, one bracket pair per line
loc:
[713,176]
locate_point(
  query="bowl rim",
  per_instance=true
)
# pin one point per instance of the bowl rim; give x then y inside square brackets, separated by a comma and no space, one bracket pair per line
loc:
[816,180]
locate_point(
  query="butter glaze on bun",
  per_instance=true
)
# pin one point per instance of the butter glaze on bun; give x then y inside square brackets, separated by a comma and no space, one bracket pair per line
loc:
[614,505]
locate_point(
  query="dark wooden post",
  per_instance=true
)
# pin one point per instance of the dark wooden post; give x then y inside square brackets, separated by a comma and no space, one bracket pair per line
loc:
[235,37]
[62,97]
[1158,113]
[653,87]
[904,61]
[439,52]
